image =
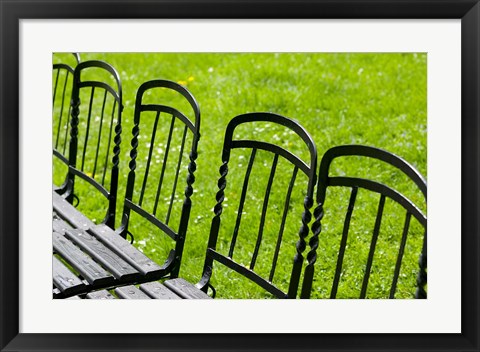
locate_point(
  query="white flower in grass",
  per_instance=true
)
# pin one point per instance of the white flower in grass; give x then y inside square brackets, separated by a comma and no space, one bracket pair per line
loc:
[210,69]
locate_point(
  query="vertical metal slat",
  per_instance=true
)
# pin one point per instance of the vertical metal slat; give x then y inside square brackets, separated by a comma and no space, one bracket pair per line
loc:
[264,211]
[88,127]
[109,141]
[242,202]
[55,87]
[401,250]
[99,135]
[373,245]
[282,225]
[149,158]
[180,156]
[61,109]
[165,158]
[343,242]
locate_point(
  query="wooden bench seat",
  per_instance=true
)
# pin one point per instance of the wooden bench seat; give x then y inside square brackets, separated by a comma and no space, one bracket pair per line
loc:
[185,289]
[90,257]
[170,289]
[128,252]
[66,281]
[67,211]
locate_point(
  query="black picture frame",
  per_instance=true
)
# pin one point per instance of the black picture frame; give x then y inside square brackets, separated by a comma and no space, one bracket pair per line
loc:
[12,12]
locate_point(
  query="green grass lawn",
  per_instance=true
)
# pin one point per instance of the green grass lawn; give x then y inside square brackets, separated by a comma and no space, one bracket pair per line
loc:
[372,99]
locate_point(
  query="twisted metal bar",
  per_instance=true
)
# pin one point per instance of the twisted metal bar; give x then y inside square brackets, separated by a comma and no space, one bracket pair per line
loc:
[222,184]
[303,233]
[116,149]
[192,167]
[318,214]
[72,152]
[301,245]
[134,144]
[212,239]
[75,112]
[182,230]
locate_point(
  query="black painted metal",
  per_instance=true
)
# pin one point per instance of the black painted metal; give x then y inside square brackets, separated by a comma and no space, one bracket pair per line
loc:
[172,116]
[325,181]
[82,125]
[308,169]
[62,91]
[373,245]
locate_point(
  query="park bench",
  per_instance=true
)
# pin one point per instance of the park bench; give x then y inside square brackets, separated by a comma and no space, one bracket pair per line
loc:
[94,256]
[292,166]
[95,125]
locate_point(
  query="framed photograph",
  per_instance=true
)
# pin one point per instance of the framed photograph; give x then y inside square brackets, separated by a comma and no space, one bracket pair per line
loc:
[208,48]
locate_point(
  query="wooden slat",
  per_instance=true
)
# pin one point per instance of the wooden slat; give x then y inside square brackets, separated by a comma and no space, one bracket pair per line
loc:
[70,213]
[91,271]
[130,292]
[102,294]
[158,291]
[127,251]
[59,225]
[103,255]
[185,289]
[66,281]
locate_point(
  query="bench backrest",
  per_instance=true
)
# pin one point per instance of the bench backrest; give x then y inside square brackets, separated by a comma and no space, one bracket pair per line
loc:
[390,201]
[62,93]
[163,154]
[285,182]
[95,131]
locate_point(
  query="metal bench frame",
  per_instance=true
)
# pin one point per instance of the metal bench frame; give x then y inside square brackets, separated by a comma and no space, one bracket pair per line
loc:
[172,264]
[59,147]
[309,169]
[76,170]
[325,181]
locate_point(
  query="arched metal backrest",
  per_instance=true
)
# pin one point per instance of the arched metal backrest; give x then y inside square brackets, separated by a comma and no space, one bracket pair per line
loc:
[308,168]
[95,131]
[157,162]
[325,181]
[62,92]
